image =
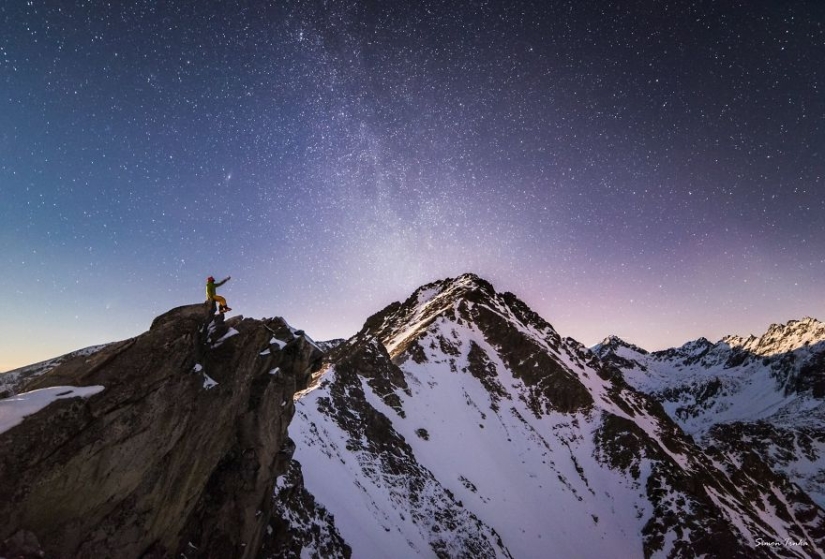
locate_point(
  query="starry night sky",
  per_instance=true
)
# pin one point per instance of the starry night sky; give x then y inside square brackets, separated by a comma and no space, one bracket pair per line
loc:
[653,169]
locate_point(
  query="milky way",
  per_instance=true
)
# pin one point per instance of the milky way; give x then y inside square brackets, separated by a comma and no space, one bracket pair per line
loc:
[652,170]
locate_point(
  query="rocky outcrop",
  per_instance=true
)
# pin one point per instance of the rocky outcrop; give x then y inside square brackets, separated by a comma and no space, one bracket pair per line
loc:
[177,456]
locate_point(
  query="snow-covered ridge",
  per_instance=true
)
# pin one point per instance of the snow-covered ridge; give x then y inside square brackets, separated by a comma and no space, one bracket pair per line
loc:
[615,344]
[781,338]
[778,339]
[402,321]
[11,381]
[786,348]
[434,299]
[15,409]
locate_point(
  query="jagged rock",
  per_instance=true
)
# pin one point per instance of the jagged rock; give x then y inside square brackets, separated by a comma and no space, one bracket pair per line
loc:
[300,526]
[175,457]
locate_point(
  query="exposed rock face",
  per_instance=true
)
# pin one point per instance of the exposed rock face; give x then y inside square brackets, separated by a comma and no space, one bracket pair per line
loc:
[176,457]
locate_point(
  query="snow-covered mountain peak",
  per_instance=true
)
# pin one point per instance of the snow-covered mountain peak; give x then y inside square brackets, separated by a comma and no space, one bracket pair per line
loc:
[463,405]
[459,321]
[690,352]
[452,288]
[465,299]
[615,344]
[786,355]
[781,338]
[621,354]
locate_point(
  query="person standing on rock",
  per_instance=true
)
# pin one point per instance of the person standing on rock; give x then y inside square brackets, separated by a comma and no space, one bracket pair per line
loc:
[212,296]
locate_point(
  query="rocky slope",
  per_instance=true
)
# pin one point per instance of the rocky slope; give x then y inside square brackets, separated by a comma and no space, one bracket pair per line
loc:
[748,397]
[171,449]
[459,423]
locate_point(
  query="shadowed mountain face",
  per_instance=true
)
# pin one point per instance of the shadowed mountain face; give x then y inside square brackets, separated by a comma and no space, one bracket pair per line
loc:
[459,423]
[756,398]
[175,454]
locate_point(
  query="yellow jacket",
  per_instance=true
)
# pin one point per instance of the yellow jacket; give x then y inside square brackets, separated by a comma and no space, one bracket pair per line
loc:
[211,285]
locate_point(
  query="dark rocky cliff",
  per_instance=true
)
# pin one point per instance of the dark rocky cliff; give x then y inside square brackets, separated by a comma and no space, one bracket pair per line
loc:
[177,455]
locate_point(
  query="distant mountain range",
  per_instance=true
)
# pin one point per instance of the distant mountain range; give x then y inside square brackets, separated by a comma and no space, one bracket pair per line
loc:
[457,423]
[744,397]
